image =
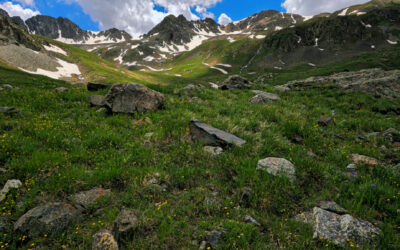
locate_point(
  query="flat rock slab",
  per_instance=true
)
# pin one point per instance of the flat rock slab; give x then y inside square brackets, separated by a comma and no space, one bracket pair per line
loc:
[211,136]
[264,97]
[338,228]
[46,219]
[362,159]
[96,101]
[104,240]
[277,167]
[133,98]
[10,184]
[91,86]
[87,198]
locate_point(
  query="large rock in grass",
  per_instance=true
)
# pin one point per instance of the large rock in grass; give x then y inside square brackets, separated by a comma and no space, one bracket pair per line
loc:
[341,230]
[264,97]
[211,136]
[46,219]
[125,225]
[235,82]
[277,167]
[133,98]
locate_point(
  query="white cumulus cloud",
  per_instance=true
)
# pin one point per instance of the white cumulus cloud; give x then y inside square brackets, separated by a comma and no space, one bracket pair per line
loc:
[18,10]
[313,7]
[139,16]
[224,19]
[27,2]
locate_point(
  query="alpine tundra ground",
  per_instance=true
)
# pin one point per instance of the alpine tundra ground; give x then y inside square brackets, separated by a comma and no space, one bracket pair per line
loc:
[57,146]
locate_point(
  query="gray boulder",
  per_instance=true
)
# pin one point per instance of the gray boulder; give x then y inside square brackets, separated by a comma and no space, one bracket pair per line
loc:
[46,219]
[211,136]
[278,166]
[104,240]
[338,228]
[264,97]
[133,98]
[235,82]
[96,101]
[88,198]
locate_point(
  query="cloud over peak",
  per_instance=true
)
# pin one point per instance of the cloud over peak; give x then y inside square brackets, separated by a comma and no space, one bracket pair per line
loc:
[313,7]
[18,10]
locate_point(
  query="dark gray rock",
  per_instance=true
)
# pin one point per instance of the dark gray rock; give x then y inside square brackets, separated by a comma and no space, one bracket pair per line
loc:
[245,199]
[91,86]
[331,206]
[235,82]
[96,101]
[46,219]
[278,166]
[133,98]
[125,225]
[215,238]
[18,21]
[88,198]
[325,121]
[104,240]
[211,136]
[9,110]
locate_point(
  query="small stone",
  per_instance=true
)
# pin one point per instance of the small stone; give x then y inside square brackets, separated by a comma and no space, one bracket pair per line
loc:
[148,135]
[87,198]
[264,98]
[61,90]
[325,121]
[362,159]
[196,99]
[213,85]
[235,82]
[190,88]
[96,101]
[101,110]
[278,166]
[203,245]
[351,166]
[104,240]
[142,121]
[213,150]
[246,197]
[215,238]
[7,86]
[10,184]
[332,207]
[9,110]
[282,88]
[125,225]
[250,220]
[4,227]
[91,86]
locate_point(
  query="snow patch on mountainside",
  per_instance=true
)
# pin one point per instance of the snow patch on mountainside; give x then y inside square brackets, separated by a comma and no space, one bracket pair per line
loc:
[56,49]
[65,69]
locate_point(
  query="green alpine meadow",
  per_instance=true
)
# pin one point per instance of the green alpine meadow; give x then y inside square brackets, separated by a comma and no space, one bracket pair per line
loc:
[279,131]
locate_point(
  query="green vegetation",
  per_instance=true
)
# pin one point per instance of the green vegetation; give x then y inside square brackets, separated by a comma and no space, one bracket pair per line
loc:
[58,146]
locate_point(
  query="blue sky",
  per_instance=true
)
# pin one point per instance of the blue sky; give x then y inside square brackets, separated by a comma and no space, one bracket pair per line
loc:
[139,16]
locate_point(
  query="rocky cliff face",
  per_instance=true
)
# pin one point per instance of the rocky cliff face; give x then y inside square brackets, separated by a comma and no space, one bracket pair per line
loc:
[65,30]
[328,39]
[15,19]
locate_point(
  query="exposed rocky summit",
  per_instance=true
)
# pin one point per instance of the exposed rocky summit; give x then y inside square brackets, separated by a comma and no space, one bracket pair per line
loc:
[372,81]
[211,136]
[341,230]
[46,219]
[133,98]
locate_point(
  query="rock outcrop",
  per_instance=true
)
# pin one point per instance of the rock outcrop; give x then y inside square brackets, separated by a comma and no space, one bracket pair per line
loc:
[277,167]
[133,98]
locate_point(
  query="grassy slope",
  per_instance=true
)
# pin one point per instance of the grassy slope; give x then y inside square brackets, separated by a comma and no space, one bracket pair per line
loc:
[59,146]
